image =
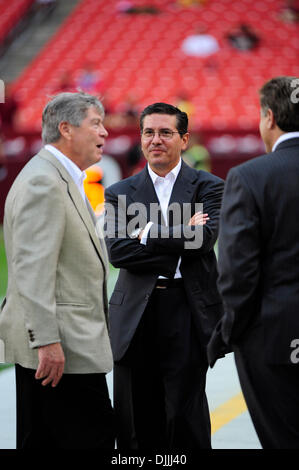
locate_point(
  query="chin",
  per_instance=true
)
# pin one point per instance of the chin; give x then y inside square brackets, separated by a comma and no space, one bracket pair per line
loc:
[97,158]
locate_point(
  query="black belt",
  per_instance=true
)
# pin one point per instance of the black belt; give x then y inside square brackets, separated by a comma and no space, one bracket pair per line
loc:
[168,283]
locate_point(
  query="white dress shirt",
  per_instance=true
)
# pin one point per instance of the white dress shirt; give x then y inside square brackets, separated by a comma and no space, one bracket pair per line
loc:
[77,175]
[283,137]
[163,187]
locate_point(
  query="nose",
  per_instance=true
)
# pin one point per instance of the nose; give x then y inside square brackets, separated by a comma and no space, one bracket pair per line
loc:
[103,131]
[156,137]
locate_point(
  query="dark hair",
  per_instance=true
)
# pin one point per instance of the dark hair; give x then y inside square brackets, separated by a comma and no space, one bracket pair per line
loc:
[280,94]
[164,108]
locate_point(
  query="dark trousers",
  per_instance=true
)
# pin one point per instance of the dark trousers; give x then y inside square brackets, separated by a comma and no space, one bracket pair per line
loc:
[271,392]
[76,414]
[159,387]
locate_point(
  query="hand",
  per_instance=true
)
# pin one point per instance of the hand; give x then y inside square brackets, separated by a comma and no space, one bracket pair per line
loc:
[51,364]
[140,235]
[199,219]
[216,347]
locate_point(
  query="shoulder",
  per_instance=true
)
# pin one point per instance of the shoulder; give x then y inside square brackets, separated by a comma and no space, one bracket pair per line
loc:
[200,176]
[266,166]
[38,168]
[210,177]
[252,168]
[266,169]
[36,178]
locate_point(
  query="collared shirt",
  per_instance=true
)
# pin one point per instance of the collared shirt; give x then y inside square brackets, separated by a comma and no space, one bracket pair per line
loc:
[283,137]
[77,175]
[163,187]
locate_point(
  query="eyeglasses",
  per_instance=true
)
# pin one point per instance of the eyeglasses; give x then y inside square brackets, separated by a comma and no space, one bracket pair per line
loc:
[165,134]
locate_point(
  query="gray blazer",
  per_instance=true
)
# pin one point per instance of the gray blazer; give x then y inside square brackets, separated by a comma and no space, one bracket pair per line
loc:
[57,270]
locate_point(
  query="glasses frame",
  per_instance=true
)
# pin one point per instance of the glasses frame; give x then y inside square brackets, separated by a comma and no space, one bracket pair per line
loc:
[159,134]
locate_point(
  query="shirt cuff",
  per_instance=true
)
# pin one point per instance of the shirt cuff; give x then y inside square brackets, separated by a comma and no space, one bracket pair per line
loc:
[145,232]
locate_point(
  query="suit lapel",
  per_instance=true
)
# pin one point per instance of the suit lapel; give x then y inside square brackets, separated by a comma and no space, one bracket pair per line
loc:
[76,197]
[183,188]
[183,191]
[143,188]
[100,235]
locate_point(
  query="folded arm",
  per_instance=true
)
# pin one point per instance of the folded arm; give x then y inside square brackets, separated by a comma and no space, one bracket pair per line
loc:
[128,253]
[191,239]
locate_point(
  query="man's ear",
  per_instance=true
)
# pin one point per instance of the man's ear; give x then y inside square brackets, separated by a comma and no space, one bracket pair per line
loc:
[65,129]
[185,139]
[271,123]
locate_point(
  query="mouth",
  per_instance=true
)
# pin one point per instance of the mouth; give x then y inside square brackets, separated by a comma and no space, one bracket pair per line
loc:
[157,149]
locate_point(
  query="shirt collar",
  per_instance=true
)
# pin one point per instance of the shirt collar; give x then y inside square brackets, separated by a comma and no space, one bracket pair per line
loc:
[75,172]
[283,137]
[172,175]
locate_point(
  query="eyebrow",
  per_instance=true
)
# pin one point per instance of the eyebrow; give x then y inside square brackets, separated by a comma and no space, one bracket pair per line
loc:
[160,129]
[99,119]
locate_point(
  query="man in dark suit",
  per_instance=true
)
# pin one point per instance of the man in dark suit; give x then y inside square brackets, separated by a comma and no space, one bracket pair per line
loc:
[259,270]
[165,303]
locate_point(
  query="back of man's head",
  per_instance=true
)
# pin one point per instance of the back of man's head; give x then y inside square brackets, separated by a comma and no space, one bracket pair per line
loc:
[281,95]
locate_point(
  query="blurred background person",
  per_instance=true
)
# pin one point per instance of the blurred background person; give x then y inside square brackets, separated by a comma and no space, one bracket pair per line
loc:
[243,38]
[200,43]
[197,155]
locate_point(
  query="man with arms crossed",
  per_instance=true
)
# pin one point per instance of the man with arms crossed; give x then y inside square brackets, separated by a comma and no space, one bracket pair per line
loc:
[165,303]
[53,321]
[259,270]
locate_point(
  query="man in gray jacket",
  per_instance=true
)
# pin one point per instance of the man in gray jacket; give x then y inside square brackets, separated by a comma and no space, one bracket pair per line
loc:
[53,321]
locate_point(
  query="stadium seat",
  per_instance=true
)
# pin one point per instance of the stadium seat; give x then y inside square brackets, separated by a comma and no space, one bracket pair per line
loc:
[140,54]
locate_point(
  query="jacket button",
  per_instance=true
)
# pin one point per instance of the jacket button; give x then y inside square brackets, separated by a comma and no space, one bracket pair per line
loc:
[31,335]
[147,297]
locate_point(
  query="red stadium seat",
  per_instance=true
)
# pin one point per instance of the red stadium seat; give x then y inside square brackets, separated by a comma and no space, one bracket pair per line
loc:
[140,55]
[11,13]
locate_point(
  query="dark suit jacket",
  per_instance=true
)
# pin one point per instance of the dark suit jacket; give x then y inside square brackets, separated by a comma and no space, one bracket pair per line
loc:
[259,253]
[141,265]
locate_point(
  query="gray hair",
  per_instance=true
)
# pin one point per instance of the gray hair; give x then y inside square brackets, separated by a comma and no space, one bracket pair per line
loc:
[68,107]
